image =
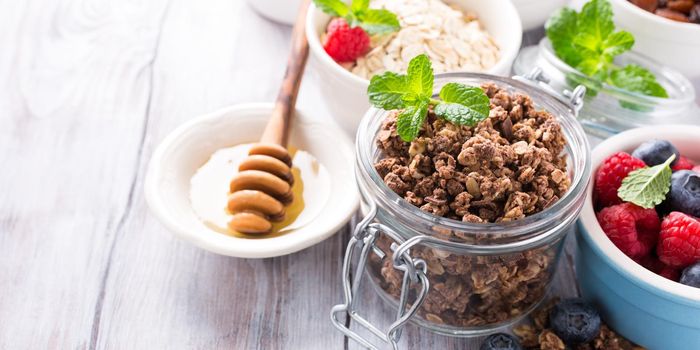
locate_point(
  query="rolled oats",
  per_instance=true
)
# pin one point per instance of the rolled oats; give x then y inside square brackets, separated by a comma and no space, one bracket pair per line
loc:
[454,40]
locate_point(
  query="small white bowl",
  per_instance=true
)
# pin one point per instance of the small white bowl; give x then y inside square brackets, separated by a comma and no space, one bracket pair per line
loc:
[670,42]
[534,13]
[188,147]
[346,94]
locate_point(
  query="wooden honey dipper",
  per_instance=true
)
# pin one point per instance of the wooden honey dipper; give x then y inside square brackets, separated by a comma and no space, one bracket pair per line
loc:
[263,186]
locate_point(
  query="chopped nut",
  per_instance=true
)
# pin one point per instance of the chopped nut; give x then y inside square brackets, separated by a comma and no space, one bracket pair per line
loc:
[550,341]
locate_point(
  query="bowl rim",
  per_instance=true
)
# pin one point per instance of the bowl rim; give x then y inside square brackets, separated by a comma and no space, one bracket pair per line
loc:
[634,9]
[272,246]
[314,40]
[599,242]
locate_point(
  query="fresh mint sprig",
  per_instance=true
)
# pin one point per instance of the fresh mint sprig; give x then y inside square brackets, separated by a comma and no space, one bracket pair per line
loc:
[358,13]
[413,93]
[588,42]
[647,187]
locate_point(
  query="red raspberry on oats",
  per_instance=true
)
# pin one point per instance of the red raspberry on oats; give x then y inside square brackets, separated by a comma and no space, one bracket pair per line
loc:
[345,44]
[633,229]
[683,163]
[679,240]
[610,175]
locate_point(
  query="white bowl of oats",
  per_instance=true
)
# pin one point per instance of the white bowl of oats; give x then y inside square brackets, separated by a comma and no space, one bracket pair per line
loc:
[457,35]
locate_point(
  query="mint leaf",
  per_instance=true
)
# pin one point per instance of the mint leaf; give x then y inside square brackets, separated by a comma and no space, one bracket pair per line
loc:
[335,8]
[594,23]
[463,105]
[410,121]
[588,42]
[617,43]
[561,29]
[378,21]
[359,5]
[647,187]
[420,76]
[638,79]
[387,91]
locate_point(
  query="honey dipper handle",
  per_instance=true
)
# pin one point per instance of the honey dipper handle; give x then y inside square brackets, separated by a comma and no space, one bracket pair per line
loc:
[277,129]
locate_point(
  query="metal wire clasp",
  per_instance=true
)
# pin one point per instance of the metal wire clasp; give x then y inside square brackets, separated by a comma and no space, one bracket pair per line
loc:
[574,99]
[414,271]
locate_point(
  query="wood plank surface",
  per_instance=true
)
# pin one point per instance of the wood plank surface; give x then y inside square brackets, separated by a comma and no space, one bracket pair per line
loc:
[73,97]
[89,88]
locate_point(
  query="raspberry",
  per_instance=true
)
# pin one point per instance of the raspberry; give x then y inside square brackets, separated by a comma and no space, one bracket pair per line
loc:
[345,44]
[634,230]
[655,265]
[610,175]
[679,241]
[683,163]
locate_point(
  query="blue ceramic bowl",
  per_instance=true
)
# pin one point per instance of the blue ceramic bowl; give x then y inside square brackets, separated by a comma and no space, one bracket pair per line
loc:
[647,309]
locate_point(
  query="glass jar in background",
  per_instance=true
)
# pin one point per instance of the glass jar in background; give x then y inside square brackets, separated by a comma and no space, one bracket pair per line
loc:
[608,109]
[448,276]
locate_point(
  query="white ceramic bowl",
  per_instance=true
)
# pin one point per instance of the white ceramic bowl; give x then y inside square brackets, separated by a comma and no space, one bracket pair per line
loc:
[283,11]
[646,308]
[534,13]
[672,43]
[346,94]
[189,146]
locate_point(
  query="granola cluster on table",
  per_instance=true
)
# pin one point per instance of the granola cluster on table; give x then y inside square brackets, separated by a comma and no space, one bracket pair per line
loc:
[507,167]
[536,334]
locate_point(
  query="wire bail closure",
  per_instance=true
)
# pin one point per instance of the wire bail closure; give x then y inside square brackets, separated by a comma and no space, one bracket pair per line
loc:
[414,272]
[537,78]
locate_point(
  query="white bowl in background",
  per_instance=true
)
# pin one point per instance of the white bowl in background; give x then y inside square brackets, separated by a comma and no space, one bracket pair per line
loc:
[670,42]
[181,153]
[534,13]
[346,94]
[282,11]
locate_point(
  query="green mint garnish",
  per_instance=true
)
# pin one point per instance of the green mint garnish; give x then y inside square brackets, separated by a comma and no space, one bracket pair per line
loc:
[638,79]
[412,92]
[588,42]
[462,105]
[358,13]
[647,187]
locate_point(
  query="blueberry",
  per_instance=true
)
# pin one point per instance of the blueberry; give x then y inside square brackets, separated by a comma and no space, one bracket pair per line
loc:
[684,195]
[575,321]
[655,152]
[691,275]
[500,341]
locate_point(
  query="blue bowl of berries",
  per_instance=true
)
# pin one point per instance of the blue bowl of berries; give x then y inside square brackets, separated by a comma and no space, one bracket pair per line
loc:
[639,236]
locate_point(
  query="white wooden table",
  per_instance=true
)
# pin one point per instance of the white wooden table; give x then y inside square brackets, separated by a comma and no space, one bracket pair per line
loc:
[88,89]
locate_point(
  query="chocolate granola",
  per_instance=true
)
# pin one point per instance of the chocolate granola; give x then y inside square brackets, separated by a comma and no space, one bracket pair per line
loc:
[507,167]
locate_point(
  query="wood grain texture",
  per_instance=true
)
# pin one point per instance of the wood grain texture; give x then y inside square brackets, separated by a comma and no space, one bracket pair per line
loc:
[89,88]
[163,293]
[74,92]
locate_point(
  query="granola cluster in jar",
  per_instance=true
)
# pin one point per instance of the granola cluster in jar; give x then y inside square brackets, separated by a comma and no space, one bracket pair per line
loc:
[507,167]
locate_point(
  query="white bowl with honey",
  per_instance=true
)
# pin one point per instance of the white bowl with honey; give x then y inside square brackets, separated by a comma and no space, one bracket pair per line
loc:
[188,182]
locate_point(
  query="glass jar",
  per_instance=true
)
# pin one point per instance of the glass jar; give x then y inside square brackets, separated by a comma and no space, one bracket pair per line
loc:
[609,110]
[453,277]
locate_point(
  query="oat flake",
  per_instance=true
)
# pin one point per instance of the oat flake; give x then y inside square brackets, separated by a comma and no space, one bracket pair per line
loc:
[454,40]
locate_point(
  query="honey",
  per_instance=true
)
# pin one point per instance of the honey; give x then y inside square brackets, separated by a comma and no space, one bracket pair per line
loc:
[209,190]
